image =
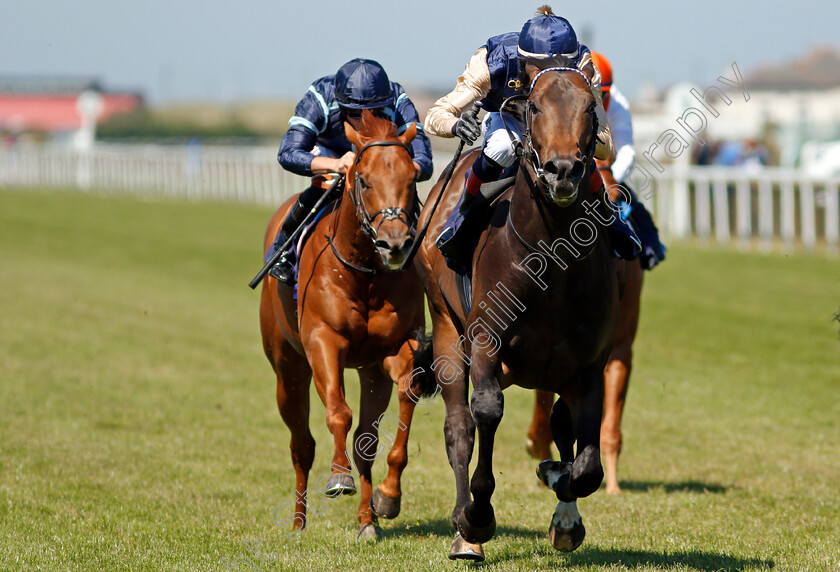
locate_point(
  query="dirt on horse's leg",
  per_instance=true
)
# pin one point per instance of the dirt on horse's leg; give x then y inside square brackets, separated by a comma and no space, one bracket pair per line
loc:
[617,374]
[326,354]
[458,429]
[375,393]
[386,499]
[478,521]
[293,379]
[539,433]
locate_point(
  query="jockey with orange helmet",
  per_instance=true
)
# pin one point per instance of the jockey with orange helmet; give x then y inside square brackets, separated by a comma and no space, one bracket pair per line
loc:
[496,71]
[621,127]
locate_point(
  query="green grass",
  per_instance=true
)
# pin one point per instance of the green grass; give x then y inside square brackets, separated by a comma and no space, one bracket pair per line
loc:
[138,429]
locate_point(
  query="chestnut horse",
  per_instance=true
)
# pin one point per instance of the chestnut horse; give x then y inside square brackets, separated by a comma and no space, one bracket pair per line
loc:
[539,318]
[616,374]
[352,311]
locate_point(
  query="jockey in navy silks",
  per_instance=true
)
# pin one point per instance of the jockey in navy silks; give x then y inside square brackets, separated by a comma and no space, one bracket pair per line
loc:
[495,72]
[315,143]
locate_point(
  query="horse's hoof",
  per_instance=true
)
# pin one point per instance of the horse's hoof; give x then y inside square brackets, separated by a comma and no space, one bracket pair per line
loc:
[476,534]
[370,532]
[463,550]
[566,532]
[340,484]
[384,506]
[567,540]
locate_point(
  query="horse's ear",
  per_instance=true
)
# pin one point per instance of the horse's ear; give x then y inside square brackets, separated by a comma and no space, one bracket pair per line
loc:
[353,135]
[410,133]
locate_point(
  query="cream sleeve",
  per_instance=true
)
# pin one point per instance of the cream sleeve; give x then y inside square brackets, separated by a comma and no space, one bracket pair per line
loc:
[604,145]
[472,85]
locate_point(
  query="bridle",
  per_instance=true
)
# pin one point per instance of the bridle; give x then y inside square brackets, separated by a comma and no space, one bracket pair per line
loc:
[363,214]
[530,154]
[366,219]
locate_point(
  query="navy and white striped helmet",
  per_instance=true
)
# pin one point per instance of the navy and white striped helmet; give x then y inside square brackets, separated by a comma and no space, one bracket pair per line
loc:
[547,36]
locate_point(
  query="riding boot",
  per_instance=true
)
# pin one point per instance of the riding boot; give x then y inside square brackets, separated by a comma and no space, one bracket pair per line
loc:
[626,244]
[472,202]
[653,251]
[283,270]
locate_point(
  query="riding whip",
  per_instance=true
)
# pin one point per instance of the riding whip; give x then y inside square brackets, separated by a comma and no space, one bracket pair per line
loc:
[278,254]
[454,163]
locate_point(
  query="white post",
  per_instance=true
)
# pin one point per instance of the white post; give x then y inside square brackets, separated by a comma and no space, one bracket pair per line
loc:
[831,217]
[89,106]
[743,213]
[765,213]
[788,214]
[721,206]
[806,208]
[703,209]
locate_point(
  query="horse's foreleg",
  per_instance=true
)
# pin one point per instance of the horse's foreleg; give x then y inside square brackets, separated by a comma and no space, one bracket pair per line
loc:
[616,378]
[293,378]
[617,374]
[375,394]
[478,522]
[458,428]
[576,417]
[587,409]
[326,354]
[539,433]
[387,497]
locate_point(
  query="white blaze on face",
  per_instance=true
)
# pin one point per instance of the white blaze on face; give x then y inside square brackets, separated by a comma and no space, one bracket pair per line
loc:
[566,516]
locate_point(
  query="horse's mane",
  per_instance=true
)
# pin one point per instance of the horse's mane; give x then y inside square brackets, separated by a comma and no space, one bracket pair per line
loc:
[373,127]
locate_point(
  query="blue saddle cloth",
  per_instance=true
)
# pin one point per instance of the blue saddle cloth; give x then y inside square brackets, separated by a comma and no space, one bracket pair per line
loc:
[295,249]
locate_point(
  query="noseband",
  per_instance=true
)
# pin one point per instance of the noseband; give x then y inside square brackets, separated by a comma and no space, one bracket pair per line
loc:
[388,213]
[530,154]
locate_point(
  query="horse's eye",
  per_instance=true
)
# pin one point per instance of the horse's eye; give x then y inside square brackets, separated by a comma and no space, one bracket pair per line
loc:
[534,108]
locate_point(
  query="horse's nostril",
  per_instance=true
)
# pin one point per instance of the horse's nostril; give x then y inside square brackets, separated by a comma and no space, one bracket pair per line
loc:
[577,170]
[551,168]
[409,242]
[382,244]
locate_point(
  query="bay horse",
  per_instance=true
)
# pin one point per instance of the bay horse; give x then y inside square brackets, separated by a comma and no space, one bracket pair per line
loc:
[352,310]
[616,374]
[539,318]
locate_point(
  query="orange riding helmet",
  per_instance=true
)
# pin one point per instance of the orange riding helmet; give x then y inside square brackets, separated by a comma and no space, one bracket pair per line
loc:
[604,66]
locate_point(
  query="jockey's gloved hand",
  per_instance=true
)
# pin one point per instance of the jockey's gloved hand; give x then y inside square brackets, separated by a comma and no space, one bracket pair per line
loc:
[468,128]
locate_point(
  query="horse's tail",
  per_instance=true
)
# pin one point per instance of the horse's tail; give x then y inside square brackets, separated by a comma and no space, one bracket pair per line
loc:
[424,379]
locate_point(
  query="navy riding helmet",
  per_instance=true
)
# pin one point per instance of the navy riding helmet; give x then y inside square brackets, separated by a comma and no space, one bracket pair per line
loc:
[548,36]
[363,84]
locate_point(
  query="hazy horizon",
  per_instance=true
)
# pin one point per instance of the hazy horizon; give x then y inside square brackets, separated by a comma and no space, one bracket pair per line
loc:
[190,51]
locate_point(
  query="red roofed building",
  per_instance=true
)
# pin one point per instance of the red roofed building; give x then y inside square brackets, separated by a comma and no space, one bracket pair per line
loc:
[52,104]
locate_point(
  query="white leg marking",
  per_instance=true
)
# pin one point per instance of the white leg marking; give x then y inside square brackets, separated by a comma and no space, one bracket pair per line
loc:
[566,516]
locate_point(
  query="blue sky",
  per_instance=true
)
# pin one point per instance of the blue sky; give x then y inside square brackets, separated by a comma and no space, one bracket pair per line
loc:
[257,49]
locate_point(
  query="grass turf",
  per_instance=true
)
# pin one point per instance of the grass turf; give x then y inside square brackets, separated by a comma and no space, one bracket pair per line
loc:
[138,429]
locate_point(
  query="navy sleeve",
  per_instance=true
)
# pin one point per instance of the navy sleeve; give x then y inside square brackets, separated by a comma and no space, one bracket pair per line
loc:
[421,149]
[308,122]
